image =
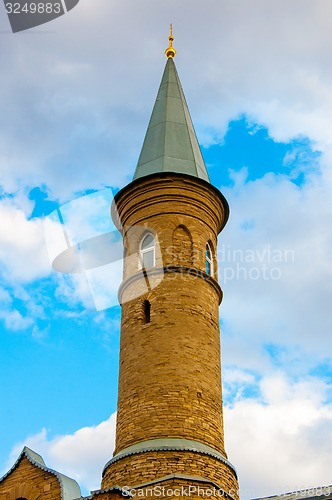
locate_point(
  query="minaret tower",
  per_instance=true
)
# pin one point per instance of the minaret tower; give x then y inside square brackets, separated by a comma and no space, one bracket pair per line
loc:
[170,421]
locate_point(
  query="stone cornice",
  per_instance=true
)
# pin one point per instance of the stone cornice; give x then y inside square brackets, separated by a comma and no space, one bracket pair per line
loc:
[155,271]
[170,444]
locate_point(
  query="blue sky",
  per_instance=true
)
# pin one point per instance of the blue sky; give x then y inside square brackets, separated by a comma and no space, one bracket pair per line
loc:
[76,100]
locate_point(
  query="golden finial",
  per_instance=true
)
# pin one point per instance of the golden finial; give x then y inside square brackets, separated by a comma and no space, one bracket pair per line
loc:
[170,51]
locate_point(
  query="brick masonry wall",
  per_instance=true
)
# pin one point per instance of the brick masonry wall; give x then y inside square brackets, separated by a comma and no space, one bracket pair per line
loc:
[170,374]
[170,384]
[151,466]
[28,481]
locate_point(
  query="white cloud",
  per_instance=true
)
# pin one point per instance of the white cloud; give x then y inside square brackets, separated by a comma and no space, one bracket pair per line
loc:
[23,256]
[281,442]
[5,298]
[11,317]
[88,216]
[275,224]
[81,455]
[76,107]
[278,442]
[74,290]
[14,320]
[24,261]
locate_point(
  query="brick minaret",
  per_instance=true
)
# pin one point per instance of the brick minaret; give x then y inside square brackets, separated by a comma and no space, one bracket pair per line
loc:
[170,423]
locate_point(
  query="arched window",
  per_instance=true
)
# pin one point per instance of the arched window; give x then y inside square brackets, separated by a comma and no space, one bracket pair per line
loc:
[208,260]
[147,252]
[147,311]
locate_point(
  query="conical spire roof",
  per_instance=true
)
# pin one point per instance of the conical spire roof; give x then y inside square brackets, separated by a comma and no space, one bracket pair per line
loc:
[170,144]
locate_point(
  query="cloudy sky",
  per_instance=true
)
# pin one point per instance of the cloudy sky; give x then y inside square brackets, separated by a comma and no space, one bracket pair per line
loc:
[75,99]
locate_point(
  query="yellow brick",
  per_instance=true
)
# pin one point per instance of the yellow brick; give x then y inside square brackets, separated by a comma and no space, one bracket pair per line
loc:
[170,374]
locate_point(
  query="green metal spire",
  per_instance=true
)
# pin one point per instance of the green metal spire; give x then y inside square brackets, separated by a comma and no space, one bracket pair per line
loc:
[170,144]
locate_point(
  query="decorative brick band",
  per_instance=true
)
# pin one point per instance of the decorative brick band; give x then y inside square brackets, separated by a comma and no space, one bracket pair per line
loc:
[171,444]
[172,269]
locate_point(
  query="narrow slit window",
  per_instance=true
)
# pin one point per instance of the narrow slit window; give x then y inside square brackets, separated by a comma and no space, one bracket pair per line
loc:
[147,252]
[147,311]
[208,260]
